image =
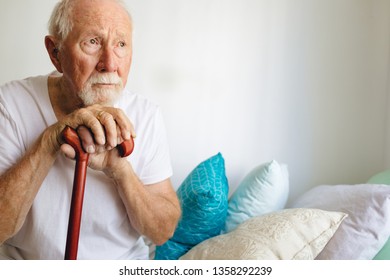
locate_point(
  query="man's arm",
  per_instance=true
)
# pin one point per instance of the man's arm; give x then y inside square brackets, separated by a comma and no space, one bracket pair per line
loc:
[153,210]
[20,184]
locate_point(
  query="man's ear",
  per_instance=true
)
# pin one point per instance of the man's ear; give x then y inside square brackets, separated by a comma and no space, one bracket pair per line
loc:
[53,51]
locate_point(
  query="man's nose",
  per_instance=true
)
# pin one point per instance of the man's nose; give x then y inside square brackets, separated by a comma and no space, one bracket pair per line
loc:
[107,61]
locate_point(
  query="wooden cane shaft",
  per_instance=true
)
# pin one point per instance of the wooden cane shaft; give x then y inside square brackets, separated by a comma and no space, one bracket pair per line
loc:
[76,209]
[71,137]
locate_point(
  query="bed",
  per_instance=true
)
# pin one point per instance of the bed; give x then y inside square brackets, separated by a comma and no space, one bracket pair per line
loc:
[328,222]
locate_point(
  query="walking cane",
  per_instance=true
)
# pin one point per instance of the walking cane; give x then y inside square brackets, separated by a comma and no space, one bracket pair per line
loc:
[70,136]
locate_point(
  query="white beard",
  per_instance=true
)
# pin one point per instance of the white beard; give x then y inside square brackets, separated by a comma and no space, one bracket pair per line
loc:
[90,95]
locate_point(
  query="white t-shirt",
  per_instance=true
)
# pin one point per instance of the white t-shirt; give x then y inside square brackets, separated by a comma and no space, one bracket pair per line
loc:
[106,233]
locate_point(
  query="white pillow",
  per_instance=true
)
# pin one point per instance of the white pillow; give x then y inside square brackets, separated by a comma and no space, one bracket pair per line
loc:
[287,234]
[265,189]
[367,227]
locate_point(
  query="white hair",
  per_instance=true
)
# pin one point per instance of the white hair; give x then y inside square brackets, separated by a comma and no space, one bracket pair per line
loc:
[61,24]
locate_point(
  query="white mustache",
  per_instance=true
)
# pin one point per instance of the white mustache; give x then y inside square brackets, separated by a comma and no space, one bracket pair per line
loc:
[106,78]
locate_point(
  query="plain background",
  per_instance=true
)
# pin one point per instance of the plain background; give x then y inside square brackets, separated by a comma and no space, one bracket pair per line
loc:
[304,82]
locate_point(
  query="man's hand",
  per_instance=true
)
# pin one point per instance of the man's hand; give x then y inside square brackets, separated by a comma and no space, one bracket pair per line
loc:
[100,130]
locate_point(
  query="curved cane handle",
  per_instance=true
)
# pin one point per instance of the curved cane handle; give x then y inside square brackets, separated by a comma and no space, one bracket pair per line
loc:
[126,147]
[70,136]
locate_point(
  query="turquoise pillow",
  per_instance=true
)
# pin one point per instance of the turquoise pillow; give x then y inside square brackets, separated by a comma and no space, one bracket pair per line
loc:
[382,178]
[204,198]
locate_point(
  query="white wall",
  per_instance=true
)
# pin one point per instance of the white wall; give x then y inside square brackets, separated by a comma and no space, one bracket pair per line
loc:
[303,82]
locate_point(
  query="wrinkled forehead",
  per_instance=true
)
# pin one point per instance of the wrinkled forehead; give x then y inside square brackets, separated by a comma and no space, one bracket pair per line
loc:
[101,14]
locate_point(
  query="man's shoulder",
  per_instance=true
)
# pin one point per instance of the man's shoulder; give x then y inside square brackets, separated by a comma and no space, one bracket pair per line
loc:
[21,88]
[24,100]
[135,101]
[25,81]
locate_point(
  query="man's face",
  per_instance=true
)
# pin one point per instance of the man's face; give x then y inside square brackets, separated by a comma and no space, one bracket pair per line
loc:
[96,55]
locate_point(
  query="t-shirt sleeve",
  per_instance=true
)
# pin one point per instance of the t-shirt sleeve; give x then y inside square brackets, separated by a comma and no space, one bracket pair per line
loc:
[156,157]
[10,145]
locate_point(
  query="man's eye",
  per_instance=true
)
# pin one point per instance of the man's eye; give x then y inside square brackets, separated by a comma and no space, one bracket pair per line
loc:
[91,45]
[122,44]
[93,41]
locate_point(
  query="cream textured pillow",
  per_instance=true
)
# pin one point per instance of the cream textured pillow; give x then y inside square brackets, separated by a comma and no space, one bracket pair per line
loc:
[299,233]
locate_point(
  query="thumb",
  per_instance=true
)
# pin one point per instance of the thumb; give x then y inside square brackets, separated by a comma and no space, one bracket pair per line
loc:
[68,151]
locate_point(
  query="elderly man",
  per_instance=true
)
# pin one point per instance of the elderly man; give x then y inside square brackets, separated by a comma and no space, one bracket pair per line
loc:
[90,45]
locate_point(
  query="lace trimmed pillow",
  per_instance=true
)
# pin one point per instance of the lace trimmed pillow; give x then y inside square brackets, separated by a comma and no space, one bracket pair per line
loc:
[290,234]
